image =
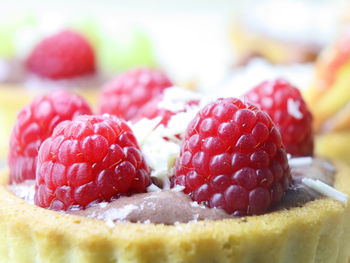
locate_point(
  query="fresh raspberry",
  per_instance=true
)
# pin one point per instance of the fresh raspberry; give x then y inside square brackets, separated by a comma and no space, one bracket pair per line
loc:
[286,107]
[35,123]
[233,158]
[89,159]
[126,94]
[63,55]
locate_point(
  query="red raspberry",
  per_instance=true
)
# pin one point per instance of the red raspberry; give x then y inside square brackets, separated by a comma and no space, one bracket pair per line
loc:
[233,158]
[34,124]
[63,55]
[89,159]
[126,94]
[286,107]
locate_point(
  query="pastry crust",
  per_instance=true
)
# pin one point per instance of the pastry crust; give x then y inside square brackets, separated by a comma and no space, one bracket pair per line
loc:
[317,232]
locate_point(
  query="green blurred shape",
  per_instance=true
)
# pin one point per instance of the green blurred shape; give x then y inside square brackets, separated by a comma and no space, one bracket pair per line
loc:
[7,48]
[117,49]
[88,27]
[121,52]
[9,27]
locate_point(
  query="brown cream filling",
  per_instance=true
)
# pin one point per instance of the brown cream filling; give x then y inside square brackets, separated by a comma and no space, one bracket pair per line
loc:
[170,207]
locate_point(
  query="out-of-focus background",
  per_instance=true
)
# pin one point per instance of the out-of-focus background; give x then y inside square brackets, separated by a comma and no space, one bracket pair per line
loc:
[191,40]
[219,47]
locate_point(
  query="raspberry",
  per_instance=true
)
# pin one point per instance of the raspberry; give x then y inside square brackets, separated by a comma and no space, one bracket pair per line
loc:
[35,123]
[126,94]
[89,159]
[63,55]
[233,158]
[286,107]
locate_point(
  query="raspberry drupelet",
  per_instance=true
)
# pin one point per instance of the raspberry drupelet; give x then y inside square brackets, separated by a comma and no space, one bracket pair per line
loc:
[233,158]
[34,124]
[89,159]
[125,95]
[288,110]
[63,55]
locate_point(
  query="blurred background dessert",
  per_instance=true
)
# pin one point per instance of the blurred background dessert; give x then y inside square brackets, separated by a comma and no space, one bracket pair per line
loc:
[284,32]
[42,51]
[329,97]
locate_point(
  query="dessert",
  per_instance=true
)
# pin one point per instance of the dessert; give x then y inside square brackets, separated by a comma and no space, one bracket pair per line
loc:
[280,38]
[63,59]
[63,55]
[96,173]
[329,98]
[317,230]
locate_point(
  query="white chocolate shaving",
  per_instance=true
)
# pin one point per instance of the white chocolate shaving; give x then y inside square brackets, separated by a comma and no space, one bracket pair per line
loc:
[325,189]
[293,109]
[161,144]
[300,161]
[178,188]
[110,223]
[175,98]
[103,204]
[153,188]
[25,190]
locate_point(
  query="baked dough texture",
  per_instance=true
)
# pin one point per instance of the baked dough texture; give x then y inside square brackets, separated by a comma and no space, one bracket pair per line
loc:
[319,231]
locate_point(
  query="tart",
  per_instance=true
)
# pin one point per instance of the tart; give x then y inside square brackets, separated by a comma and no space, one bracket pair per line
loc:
[316,232]
[91,163]
[329,99]
[277,39]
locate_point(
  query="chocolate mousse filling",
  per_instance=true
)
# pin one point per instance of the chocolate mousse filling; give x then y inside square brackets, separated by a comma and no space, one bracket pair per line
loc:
[165,207]
[298,194]
[170,207]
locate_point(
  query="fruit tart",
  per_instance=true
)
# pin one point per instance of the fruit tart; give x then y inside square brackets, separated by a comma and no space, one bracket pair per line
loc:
[185,180]
[279,38]
[329,97]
